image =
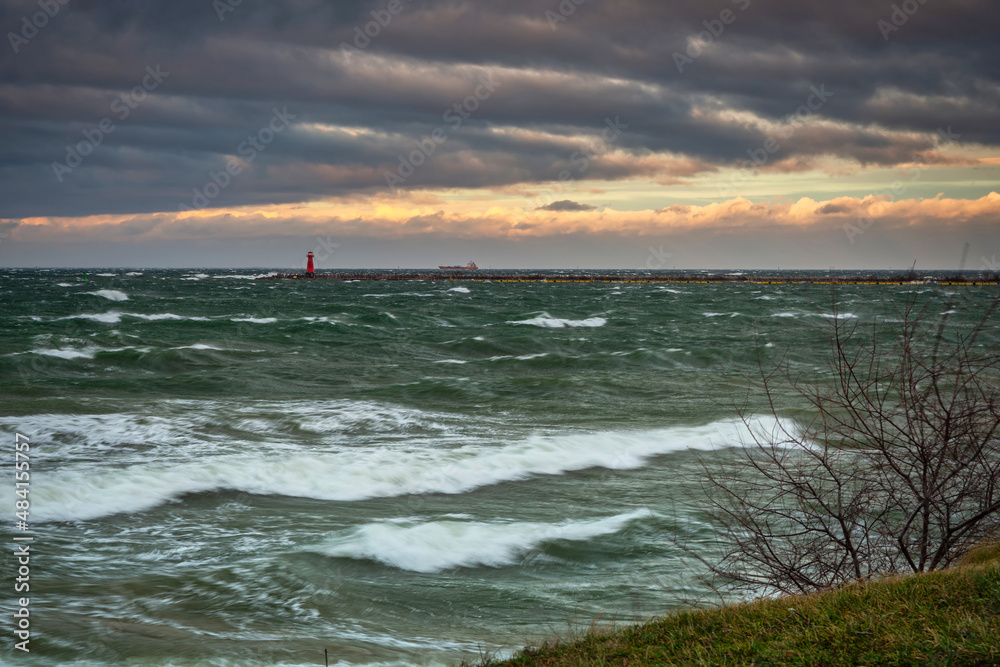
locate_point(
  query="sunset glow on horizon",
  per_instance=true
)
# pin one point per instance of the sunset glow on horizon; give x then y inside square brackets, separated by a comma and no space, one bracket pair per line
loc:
[744,134]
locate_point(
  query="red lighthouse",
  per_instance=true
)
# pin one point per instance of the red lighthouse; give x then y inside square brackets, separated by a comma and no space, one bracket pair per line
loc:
[310,269]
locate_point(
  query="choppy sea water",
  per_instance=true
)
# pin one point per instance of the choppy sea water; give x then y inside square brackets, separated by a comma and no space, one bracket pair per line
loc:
[227,471]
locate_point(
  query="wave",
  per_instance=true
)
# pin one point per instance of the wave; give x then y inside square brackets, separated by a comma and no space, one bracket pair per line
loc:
[110,294]
[115,317]
[255,320]
[358,473]
[547,321]
[460,290]
[437,546]
[88,352]
[242,276]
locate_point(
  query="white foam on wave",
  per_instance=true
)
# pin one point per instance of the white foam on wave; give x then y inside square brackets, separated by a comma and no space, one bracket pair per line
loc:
[88,352]
[114,317]
[445,545]
[198,346]
[111,317]
[195,423]
[256,320]
[110,294]
[721,314]
[66,284]
[242,276]
[523,357]
[358,473]
[547,321]
[84,353]
[460,290]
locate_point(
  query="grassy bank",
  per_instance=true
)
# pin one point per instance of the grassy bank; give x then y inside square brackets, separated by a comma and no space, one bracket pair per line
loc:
[950,617]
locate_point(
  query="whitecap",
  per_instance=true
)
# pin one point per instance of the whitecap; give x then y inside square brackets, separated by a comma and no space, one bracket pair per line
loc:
[111,317]
[445,545]
[110,294]
[358,473]
[84,353]
[88,352]
[547,321]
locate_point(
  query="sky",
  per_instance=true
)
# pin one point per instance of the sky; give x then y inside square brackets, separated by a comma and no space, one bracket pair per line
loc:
[634,134]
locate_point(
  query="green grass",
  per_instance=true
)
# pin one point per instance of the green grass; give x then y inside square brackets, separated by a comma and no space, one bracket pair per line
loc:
[951,617]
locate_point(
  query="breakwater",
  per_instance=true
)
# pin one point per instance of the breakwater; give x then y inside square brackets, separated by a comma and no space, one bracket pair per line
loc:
[641,277]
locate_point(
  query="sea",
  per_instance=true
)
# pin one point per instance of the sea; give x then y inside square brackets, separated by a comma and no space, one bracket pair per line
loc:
[232,471]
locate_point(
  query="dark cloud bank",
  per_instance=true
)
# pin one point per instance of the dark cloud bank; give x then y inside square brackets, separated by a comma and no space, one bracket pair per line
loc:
[168,93]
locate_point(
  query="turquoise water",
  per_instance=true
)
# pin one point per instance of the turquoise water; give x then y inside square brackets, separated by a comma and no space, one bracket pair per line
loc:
[237,472]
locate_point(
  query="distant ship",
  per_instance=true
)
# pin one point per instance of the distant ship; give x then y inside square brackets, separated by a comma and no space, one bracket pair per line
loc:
[471,266]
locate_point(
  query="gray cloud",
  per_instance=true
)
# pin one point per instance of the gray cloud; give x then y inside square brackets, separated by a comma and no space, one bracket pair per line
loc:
[566,205]
[356,115]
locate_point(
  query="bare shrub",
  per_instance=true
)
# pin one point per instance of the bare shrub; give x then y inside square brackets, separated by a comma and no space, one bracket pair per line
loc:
[896,470]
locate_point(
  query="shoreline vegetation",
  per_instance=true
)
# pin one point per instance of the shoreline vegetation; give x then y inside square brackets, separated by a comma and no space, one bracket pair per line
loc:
[945,617]
[973,278]
[868,536]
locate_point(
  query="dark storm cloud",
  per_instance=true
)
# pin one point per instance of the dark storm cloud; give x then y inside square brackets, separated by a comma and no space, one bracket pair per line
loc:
[557,84]
[566,205]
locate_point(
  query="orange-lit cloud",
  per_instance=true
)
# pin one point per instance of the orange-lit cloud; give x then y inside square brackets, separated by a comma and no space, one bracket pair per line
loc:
[422,215]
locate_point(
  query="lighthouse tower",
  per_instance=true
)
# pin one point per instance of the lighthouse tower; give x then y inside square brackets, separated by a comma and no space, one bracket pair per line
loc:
[310,269]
